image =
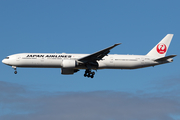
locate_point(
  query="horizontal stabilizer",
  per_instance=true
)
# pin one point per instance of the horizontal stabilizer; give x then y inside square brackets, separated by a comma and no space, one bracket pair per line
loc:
[165,58]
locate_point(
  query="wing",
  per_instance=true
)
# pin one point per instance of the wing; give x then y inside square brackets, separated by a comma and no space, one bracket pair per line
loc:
[97,55]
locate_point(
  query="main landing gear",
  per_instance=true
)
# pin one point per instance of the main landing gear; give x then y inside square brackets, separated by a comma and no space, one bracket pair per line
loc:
[15,72]
[88,73]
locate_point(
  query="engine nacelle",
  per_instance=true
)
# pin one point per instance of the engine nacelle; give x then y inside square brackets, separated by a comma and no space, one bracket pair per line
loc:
[69,64]
[66,71]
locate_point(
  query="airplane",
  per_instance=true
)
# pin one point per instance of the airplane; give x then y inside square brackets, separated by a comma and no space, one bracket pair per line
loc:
[72,63]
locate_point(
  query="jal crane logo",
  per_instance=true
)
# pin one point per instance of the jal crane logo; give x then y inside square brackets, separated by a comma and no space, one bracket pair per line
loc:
[161,48]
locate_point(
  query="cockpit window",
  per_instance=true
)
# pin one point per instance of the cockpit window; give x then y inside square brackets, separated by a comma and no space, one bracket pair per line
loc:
[7,58]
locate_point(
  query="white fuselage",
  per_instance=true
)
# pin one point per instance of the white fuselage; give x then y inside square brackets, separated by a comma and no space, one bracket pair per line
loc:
[71,63]
[49,60]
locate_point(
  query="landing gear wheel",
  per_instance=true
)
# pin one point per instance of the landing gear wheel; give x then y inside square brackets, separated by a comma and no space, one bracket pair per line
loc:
[14,67]
[93,73]
[92,76]
[88,74]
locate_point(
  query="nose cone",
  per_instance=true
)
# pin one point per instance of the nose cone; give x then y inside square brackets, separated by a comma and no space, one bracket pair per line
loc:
[4,61]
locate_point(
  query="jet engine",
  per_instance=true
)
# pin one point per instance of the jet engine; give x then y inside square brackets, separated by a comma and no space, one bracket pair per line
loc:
[69,64]
[66,71]
[68,67]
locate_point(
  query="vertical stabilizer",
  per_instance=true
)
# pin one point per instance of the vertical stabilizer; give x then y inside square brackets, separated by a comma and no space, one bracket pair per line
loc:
[161,48]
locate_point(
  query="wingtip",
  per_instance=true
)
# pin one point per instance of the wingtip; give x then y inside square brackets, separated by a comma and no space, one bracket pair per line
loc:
[117,44]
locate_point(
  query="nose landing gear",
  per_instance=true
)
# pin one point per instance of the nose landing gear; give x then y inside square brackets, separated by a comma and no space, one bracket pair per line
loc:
[15,72]
[88,73]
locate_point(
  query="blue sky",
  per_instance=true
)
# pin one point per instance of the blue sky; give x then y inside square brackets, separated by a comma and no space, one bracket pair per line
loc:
[86,27]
